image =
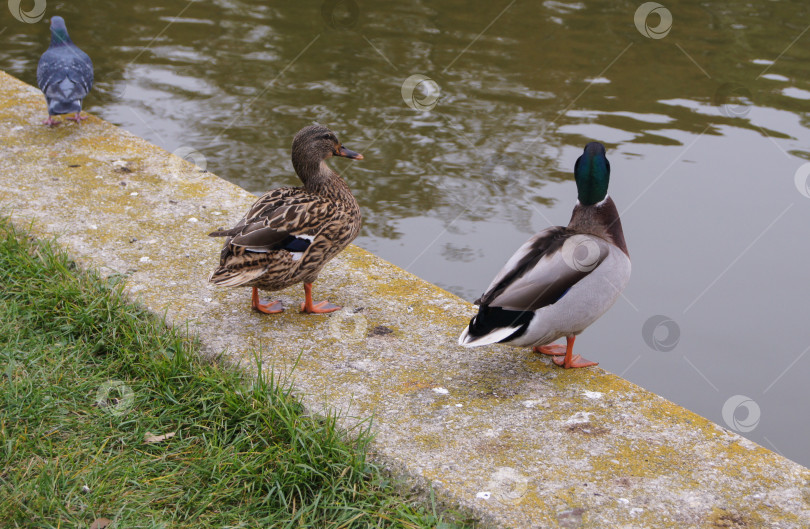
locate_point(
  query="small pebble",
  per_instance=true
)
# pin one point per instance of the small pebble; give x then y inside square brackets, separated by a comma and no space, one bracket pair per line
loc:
[122,166]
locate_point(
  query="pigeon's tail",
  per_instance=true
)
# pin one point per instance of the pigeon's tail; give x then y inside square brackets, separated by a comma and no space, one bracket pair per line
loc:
[57,107]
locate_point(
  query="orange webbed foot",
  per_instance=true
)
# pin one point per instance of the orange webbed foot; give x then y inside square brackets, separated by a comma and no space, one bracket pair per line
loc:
[575,361]
[310,307]
[322,307]
[267,307]
[551,350]
[571,360]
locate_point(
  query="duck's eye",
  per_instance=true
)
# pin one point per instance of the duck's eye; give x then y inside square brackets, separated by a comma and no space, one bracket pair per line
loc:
[327,136]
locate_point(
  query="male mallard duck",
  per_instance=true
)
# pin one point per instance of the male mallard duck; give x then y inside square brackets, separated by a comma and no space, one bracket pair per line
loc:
[562,279]
[290,233]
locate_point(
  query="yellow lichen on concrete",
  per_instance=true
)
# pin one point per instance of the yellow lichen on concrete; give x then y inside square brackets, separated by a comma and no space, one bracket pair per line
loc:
[500,431]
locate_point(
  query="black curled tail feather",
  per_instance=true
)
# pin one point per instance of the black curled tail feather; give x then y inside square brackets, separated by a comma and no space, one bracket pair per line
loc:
[490,319]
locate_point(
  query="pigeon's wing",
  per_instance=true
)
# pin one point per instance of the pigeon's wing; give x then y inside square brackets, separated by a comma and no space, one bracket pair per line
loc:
[81,73]
[48,70]
[65,75]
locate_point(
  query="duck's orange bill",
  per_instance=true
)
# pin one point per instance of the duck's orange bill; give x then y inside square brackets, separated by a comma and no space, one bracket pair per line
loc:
[346,153]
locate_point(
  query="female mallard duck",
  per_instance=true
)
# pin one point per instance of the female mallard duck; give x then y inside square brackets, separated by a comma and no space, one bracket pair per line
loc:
[562,279]
[290,233]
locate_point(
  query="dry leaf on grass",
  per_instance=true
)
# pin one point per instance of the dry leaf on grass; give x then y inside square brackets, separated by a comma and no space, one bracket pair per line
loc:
[152,438]
[100,523]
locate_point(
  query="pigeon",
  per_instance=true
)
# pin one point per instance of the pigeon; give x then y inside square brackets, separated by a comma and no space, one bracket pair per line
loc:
[64,74]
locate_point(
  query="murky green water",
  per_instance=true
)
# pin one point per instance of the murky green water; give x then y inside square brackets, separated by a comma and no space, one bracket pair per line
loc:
[706,128]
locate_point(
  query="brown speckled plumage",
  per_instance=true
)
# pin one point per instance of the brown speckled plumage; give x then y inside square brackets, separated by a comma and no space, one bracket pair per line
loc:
[322,213]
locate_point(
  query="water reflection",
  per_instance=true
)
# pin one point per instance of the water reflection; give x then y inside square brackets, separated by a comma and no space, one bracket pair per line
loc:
[705,128]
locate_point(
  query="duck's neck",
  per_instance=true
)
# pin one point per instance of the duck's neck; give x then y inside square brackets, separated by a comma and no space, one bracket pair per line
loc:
[600,219]
[319,179]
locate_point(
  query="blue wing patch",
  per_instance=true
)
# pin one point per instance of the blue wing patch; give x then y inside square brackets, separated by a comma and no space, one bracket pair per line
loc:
[295,244]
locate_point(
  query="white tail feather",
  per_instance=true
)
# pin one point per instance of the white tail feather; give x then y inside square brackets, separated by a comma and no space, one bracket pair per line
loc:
[493,337]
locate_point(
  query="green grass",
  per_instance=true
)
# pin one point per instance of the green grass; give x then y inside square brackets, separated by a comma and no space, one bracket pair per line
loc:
[85,376]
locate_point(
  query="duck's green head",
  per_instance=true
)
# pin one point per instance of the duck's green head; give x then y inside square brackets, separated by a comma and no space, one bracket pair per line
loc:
[592,174]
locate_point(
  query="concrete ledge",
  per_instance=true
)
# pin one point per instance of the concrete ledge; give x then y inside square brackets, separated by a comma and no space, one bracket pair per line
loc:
[498,430]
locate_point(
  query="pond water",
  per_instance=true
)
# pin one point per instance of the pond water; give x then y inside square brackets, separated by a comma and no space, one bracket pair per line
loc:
[703,108]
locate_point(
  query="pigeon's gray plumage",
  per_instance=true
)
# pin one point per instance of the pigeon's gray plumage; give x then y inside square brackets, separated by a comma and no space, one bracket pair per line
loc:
[64,74]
